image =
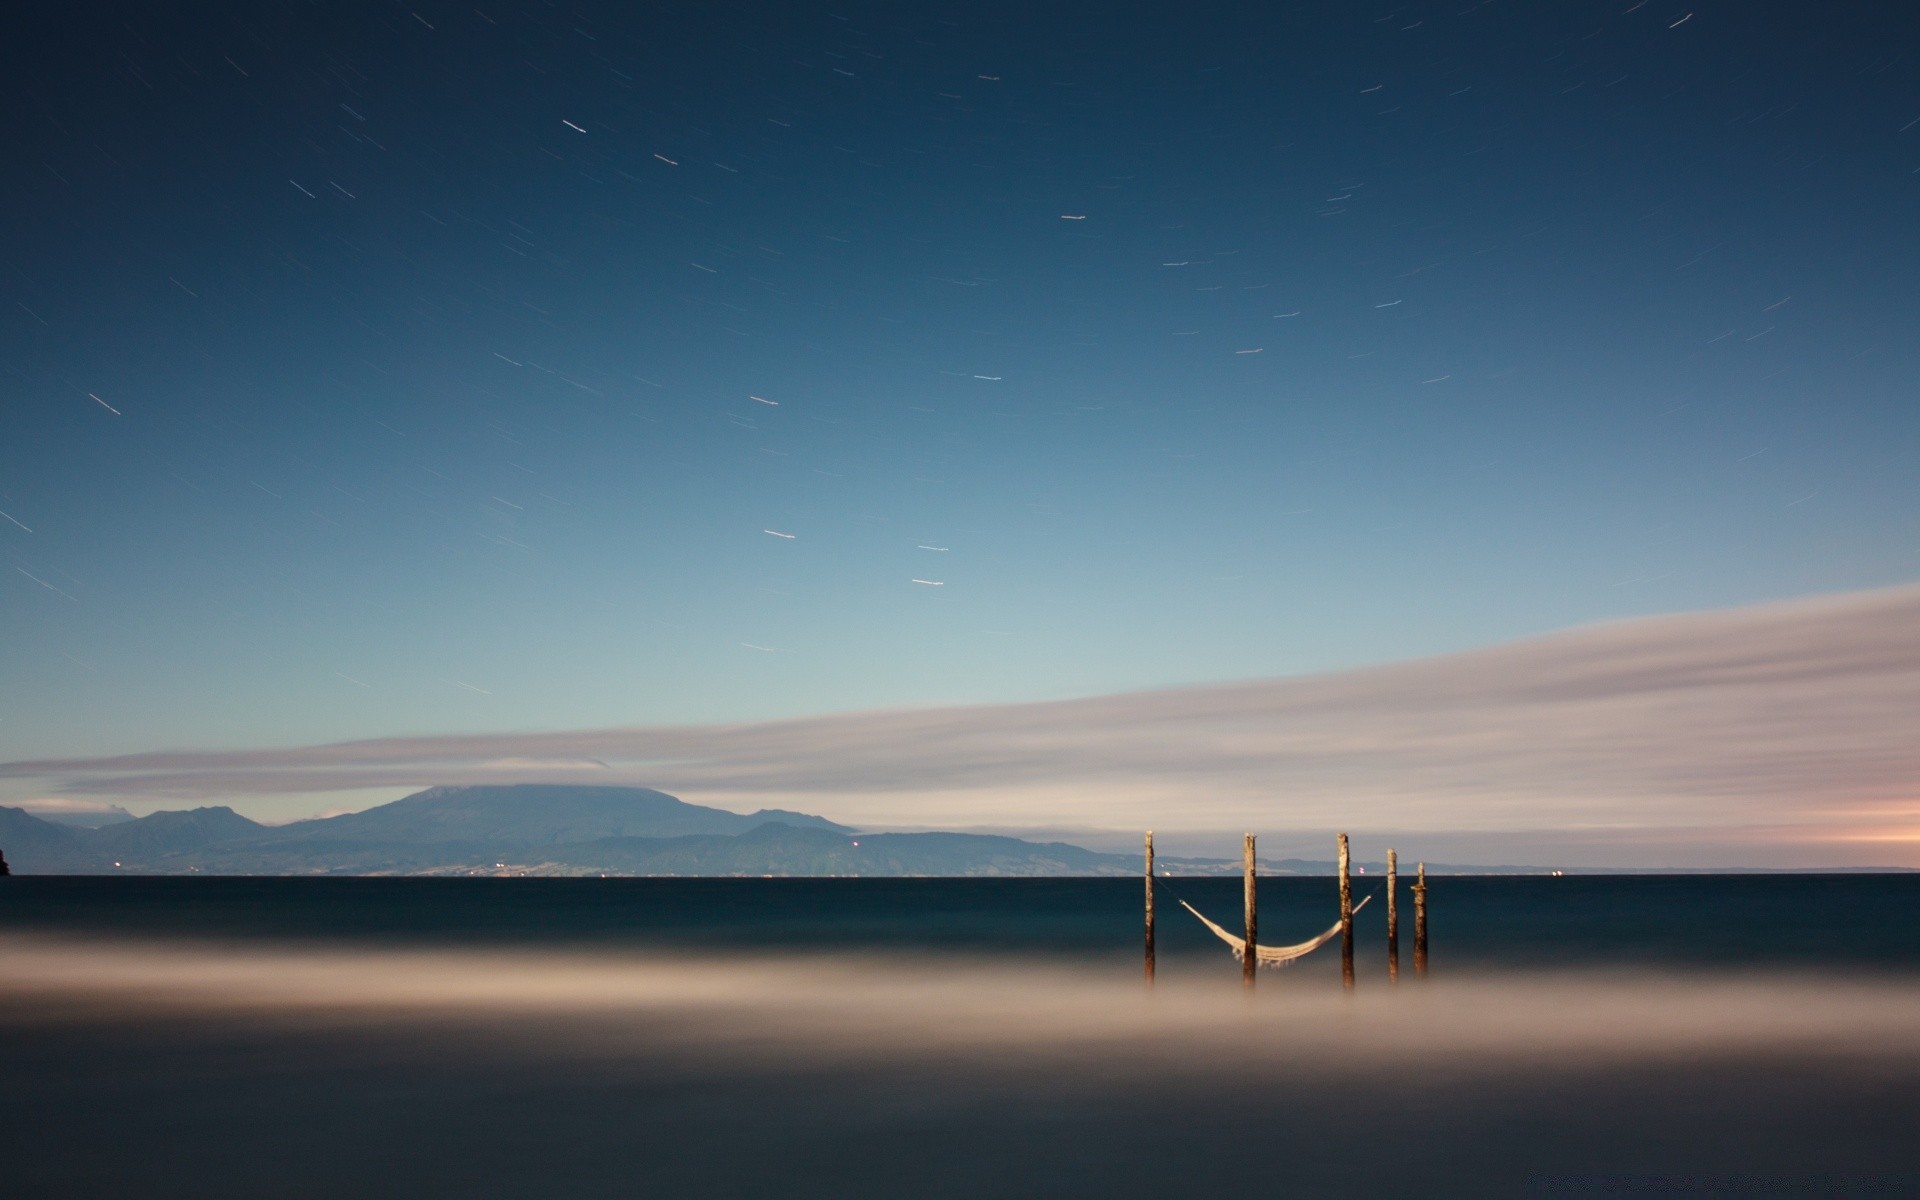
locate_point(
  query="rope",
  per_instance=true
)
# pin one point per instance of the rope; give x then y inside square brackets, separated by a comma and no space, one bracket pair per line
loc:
[1279,956]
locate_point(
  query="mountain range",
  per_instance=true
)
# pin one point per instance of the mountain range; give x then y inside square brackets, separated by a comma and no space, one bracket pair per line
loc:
[563,829]
[542,829]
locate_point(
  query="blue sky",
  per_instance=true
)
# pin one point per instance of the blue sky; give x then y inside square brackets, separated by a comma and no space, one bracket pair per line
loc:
[378,370]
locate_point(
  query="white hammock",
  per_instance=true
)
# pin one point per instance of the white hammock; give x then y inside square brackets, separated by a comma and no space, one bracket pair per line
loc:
[1272,956]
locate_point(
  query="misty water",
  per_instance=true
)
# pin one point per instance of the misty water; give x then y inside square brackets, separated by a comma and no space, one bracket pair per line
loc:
[1577,1035]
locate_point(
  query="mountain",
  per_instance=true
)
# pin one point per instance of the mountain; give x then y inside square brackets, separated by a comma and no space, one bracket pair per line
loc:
[531,828]
[161,833]
[570,830]
[553,829]
[34,846]
[559,829]
[534,814]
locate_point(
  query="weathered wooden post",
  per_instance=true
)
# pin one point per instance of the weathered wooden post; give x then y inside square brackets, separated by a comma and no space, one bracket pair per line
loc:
[1149,906]
[1393,918]
[1251,959]
[1346,917]
[1420,923]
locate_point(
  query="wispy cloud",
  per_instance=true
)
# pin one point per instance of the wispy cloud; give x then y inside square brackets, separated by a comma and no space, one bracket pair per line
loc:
[1781,716]
[62,805]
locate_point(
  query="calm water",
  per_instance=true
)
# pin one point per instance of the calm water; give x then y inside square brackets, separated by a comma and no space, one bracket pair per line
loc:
[1848,922]
[208,1037]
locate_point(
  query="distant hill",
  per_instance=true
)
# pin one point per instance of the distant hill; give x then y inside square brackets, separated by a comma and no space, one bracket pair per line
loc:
[33,846]
[535,814]
[557,829]
[533,828]
[162,833]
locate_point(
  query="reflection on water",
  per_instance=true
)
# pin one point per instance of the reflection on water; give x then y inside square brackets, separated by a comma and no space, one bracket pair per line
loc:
[162,1066]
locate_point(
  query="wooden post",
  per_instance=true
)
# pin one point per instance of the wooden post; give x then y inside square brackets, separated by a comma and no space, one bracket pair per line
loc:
[1149,906]
[1420,923]
[1251,959]
[1393,918]
[1346,917]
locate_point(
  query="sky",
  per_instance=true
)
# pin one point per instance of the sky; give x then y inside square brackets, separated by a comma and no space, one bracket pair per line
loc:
[510,371]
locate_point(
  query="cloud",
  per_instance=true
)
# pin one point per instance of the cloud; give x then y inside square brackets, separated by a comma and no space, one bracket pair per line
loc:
[65,804]
[1780,716]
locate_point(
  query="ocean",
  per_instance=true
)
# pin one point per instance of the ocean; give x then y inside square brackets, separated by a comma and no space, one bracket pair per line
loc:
[1858,922]
[1577,1035]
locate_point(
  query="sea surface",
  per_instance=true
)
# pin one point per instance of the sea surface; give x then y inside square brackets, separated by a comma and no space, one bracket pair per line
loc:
[1855,922]
[1578,1035]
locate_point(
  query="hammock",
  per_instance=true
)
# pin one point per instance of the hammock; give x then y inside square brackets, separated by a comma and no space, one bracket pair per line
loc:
[1272,956]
